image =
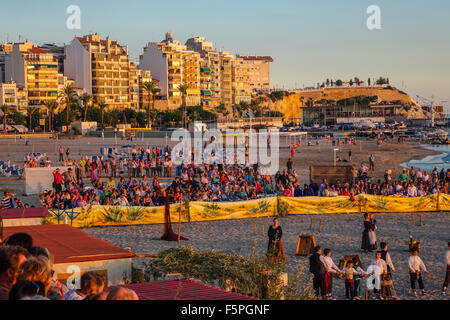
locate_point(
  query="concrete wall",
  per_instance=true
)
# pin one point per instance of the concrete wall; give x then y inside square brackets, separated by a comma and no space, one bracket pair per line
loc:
[22,222]
[15,67]
[116,270]
[37,180]
[77,65]
[152,59]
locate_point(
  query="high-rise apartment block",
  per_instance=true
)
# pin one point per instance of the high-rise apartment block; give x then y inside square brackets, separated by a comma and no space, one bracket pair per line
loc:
[258,71]
[35,70]
[102,68]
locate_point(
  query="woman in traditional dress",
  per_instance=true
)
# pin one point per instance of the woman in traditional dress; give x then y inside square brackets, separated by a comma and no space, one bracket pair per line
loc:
[373,233]
[365,243]
[275,249]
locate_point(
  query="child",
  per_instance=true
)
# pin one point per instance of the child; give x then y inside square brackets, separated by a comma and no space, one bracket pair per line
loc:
[416,265]
[356,278]
[350,273]
[91,283]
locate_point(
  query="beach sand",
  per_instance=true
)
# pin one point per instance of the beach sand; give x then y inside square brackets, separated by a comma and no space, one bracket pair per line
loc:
[341,233]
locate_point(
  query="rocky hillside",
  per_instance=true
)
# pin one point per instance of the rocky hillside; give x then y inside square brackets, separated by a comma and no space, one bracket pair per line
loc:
[295,101]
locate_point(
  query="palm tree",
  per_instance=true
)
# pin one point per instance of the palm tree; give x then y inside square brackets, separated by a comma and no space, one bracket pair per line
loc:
[67,94]
[6,111]
[183,89]
[86,99]
[102,106]
[51,107]
[30,111]
[151,88]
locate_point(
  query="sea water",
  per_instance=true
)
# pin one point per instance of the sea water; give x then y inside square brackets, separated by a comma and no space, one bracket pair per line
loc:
[439,161]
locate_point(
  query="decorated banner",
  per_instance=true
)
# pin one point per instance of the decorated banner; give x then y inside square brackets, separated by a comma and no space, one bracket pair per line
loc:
[363,203]
[90,216]
[93,216]
[207,211]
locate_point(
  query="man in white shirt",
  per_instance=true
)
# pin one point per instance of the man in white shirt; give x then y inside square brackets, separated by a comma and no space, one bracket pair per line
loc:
[412,190]
[330,268]
[123,201]
[383,269]
[416,265]
[447,275]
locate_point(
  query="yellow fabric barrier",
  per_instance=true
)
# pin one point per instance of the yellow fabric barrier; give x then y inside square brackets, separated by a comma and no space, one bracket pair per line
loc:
[363,203]
[91,216]
[209,211]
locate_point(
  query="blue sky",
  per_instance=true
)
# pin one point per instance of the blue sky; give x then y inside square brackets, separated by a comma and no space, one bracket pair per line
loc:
[309,40]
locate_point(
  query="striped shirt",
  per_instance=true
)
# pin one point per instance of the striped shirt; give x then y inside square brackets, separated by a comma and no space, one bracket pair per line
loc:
[6,202]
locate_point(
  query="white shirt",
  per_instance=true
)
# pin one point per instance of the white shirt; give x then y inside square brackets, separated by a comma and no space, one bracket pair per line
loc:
[123,201]
[330,266]
[447,257]
[416,264]
[412,191]
[380,263]
[389,261]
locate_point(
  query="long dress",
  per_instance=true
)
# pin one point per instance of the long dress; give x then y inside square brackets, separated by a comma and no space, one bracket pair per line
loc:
[365,243]
[275,249]
[373,235]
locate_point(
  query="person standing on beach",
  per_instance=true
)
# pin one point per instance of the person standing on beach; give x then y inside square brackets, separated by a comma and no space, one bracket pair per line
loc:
[368,243]
[372,162]
[447,275]
[61,153]
[416,266]
[330,268]
[382,266]
[317,268]
[275,248]
[388,285]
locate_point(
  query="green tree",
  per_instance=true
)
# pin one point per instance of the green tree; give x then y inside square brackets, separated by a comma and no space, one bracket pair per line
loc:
[86,99]
[67,95]
[6,112]
[51,107]
[183,90]
[103,107]
[151,87]
[30,111]
[338,83]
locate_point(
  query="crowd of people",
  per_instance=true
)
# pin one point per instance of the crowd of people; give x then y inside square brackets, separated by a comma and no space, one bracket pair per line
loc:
[11,201]
[136,181]
[26,274]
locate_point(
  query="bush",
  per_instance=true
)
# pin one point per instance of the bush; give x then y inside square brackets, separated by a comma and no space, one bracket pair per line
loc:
[248,276]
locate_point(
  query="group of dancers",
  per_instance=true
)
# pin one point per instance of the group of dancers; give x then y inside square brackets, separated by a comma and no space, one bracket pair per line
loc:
[380,282]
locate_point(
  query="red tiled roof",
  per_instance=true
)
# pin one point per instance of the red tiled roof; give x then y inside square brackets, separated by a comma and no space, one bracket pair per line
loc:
[36,50]
[181,290]
[69,244]
[25,213]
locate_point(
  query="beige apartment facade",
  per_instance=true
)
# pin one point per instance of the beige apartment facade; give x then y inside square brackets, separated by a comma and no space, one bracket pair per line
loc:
[35,70]
[259,72]
[102,68]
[173,65]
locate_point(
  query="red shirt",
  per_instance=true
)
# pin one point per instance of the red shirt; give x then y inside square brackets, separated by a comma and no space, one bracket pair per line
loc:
[57,178]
